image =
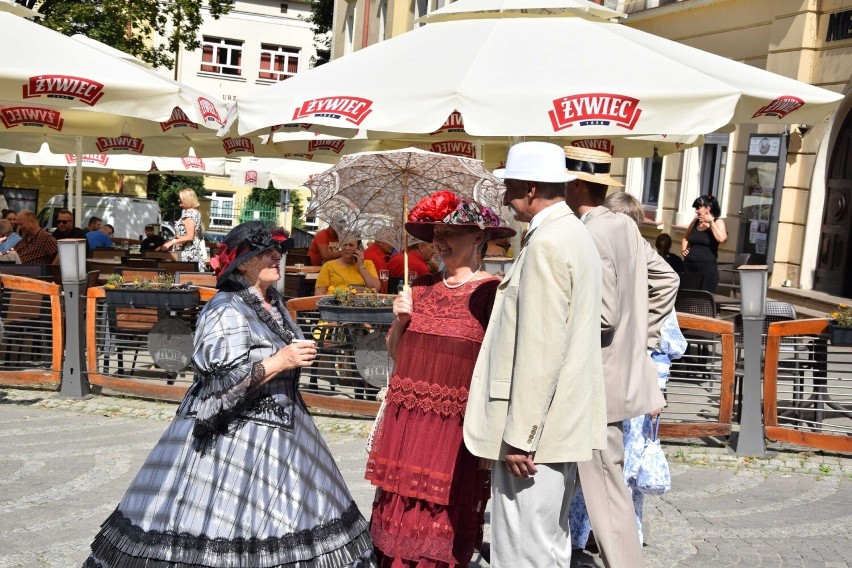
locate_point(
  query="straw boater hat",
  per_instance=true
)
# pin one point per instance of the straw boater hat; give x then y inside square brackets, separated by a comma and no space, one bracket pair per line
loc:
[447,208]
[590,165]
[241,244]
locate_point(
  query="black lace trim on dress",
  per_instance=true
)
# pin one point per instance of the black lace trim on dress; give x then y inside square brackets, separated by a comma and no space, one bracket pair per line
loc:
[263,314]
[258,373]
[251,409]
[340,542]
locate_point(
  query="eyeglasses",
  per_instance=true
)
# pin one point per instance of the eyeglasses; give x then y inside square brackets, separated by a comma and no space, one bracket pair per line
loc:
[63,221]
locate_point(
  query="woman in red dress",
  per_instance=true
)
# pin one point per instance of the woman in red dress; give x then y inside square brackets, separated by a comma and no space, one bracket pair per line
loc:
[430,502]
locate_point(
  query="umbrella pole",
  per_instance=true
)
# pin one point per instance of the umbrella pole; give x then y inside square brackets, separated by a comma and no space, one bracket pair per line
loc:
[78,174]
[405,285]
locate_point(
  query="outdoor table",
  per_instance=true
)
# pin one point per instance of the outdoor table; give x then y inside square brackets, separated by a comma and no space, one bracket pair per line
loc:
[727,304]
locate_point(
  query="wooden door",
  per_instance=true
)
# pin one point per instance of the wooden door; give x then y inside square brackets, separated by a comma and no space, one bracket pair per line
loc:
[834,260]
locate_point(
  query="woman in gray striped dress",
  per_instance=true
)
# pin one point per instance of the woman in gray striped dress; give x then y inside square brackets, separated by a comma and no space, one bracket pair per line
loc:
[242,476]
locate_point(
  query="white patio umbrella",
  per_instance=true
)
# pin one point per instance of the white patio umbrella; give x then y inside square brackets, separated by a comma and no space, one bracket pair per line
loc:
[81,100]
[121,163]
[533,76]
[282,173]
[452,139]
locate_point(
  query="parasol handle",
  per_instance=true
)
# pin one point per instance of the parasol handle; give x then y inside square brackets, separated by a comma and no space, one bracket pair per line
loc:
[405,286]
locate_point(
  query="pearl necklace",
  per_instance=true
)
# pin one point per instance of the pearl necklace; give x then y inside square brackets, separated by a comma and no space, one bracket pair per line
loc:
[460,284]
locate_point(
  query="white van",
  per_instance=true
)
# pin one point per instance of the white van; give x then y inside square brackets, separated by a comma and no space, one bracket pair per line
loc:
[128,215]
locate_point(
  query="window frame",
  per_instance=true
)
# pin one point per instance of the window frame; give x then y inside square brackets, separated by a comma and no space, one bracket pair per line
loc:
[652,167]
[217,213]
[216,46]
[275,52]
[713,176]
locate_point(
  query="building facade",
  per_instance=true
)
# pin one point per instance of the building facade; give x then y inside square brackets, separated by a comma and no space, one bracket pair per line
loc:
[786,192]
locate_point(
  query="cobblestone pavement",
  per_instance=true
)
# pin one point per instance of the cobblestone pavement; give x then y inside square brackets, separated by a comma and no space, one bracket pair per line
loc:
[65,464]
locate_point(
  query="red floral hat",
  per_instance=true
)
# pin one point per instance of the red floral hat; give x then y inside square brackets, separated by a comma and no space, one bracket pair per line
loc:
[242,243]
[447,208]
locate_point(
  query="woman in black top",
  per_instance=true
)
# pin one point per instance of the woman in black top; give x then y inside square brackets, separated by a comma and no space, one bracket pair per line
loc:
[700,246]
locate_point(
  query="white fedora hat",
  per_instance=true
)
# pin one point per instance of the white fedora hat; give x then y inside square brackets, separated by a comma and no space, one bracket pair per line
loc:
[536,161]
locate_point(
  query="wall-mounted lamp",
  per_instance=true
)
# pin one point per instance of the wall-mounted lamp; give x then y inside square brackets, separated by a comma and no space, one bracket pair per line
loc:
[803,129]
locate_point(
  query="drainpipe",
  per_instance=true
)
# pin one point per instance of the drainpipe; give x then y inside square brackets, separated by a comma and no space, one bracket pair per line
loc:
[366,31]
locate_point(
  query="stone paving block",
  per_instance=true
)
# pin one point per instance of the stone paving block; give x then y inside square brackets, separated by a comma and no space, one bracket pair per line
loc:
[65,466]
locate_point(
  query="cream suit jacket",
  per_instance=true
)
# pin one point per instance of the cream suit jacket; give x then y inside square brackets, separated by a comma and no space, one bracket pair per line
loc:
[638,291]
[538,381]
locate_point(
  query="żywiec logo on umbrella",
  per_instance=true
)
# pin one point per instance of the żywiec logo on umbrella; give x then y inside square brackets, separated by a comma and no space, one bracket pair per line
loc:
[335,146]
[92,159]
[31,116]
[193,163]
[289,127]
[208,111]
[64,87]
[599,144]
[454,123]
[251,177]
[454,148]
[124,143]
[780,107]
[232,145]
[178,119]
[352,109]
[595,109]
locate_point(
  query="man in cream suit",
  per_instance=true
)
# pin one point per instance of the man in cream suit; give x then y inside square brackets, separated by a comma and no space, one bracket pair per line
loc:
[536,404]
[638,291]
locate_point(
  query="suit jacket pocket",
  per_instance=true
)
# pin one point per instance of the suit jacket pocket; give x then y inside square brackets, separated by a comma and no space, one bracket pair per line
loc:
[500,389]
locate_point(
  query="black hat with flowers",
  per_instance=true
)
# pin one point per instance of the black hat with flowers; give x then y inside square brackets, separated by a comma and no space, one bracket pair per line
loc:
[447,208]
[241,244]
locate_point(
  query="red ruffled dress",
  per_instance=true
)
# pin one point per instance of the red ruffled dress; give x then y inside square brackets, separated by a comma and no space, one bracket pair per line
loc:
[430,503]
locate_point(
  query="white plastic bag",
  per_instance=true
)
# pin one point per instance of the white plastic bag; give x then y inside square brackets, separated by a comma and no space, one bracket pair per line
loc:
[653,476]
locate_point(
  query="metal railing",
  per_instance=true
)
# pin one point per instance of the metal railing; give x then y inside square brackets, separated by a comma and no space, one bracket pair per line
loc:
[807,387]
[117,354]
[32,344]
[700,389]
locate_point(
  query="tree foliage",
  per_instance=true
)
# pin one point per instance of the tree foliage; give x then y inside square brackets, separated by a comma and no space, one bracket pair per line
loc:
[298,210]
[322,18]
[167,188]
[131,25]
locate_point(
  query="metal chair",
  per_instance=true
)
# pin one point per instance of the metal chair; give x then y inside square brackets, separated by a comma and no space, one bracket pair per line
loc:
[729,275]
[700,344]
[774,311]
[129,327]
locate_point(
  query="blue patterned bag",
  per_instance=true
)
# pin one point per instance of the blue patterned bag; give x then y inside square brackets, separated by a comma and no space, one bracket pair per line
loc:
[653,477]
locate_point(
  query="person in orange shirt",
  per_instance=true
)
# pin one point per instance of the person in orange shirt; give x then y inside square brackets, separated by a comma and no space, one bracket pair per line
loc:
[420,260]
[320,250]
[380,253]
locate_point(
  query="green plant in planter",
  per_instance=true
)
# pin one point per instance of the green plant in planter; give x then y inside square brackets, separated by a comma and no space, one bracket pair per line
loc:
[368,298]
[842,316]
[114,281]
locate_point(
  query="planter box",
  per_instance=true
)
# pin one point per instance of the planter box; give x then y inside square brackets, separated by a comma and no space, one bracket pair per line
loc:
[332,311]
[164,299]
[840,336]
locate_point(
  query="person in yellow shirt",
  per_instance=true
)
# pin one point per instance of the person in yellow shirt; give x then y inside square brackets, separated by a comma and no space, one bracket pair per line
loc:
[349,270]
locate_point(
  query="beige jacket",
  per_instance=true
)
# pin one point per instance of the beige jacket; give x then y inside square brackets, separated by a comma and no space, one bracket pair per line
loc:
[638,291]
[538,381]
